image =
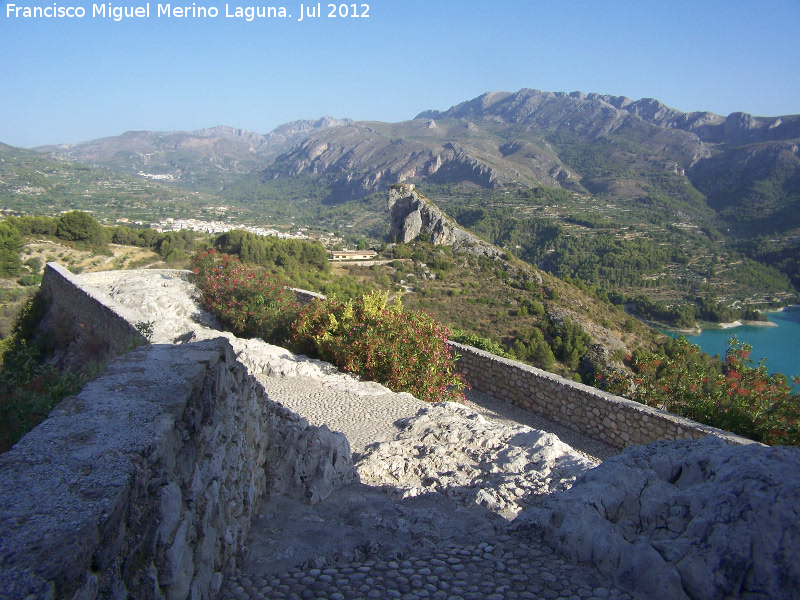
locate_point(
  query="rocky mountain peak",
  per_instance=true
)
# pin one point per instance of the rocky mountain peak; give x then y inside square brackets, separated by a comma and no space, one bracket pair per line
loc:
[412,215]
[592,115]
[308,125]
[231,133]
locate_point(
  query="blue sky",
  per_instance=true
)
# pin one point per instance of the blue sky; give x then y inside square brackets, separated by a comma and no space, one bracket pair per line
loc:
[68,80]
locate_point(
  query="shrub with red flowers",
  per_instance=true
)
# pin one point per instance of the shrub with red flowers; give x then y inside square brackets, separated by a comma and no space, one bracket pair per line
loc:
[735,395]
[406,351]
[251,303]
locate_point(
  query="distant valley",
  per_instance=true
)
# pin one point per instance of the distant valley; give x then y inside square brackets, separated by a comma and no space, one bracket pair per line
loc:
[629,196]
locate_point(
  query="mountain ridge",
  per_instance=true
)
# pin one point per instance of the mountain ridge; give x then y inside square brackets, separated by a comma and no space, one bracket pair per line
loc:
[637,162]
[708,126]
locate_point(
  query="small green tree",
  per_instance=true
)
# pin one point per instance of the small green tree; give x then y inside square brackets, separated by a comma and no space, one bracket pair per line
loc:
[77,226]
[10,245]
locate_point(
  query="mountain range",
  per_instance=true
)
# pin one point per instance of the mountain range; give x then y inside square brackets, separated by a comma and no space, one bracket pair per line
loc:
[746,167]
[636,175]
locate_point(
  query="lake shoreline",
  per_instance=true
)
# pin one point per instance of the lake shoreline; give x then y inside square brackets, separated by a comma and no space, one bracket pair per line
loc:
[719,326]
[729,325]
[778,343]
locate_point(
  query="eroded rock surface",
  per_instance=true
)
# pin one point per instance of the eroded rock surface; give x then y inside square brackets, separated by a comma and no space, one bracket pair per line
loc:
[684,520]
[411,216]
[452,450]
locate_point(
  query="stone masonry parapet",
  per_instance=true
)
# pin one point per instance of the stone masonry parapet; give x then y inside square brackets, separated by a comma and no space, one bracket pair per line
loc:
[144,484]
[76,314]
[615,420]
[304,296]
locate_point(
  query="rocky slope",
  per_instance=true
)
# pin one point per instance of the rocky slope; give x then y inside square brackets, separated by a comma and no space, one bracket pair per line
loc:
[412,215]
[684,520]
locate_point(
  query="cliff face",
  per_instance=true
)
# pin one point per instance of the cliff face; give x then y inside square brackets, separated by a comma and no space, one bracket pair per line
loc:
[411,216]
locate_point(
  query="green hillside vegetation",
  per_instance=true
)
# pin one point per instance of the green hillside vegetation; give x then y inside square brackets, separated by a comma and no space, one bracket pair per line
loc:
[30,383]
[621,253]
[779,251]
[303,263]
[306,201]
[81,230]
[502,307]
[33,184]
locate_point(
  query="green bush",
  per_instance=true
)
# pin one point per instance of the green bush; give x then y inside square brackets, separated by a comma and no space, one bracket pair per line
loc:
[734,395]
[30,280]
[77,226]
[482,343]
[10,246]
[271,251]
[29,386]
[406,351]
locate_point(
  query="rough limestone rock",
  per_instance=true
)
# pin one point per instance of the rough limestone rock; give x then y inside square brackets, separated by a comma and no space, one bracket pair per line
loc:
[698,520]
[309,463]
[411,216]
[451,449]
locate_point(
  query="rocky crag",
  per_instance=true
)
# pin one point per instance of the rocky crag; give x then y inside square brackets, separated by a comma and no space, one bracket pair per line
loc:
[413,215]
[684,520]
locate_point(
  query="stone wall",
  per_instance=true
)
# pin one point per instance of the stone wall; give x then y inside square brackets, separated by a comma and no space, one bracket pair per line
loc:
[143,485]
[77,316]
[612,419]
[304,296]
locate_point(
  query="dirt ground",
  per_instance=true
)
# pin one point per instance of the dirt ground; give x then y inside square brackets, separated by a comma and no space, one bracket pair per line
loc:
[123,257]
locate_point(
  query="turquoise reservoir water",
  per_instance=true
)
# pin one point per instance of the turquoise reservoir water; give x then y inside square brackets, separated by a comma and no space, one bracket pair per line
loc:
[780,345]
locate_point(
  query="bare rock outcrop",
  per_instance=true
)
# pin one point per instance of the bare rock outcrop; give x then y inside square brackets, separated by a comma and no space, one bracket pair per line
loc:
[411,216]
[678,520]
[452,450]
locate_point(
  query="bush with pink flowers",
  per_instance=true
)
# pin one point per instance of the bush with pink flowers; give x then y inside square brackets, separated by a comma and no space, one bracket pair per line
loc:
[405,351]
[249,302]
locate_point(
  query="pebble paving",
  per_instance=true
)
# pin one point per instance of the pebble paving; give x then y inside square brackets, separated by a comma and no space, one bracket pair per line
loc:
[503,412]
[501,567]
[364,419]
[504,567]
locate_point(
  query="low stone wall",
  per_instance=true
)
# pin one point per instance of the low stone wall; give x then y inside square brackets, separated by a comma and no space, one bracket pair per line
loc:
[612,419]
[144,484]
[304,296]
[77,316]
